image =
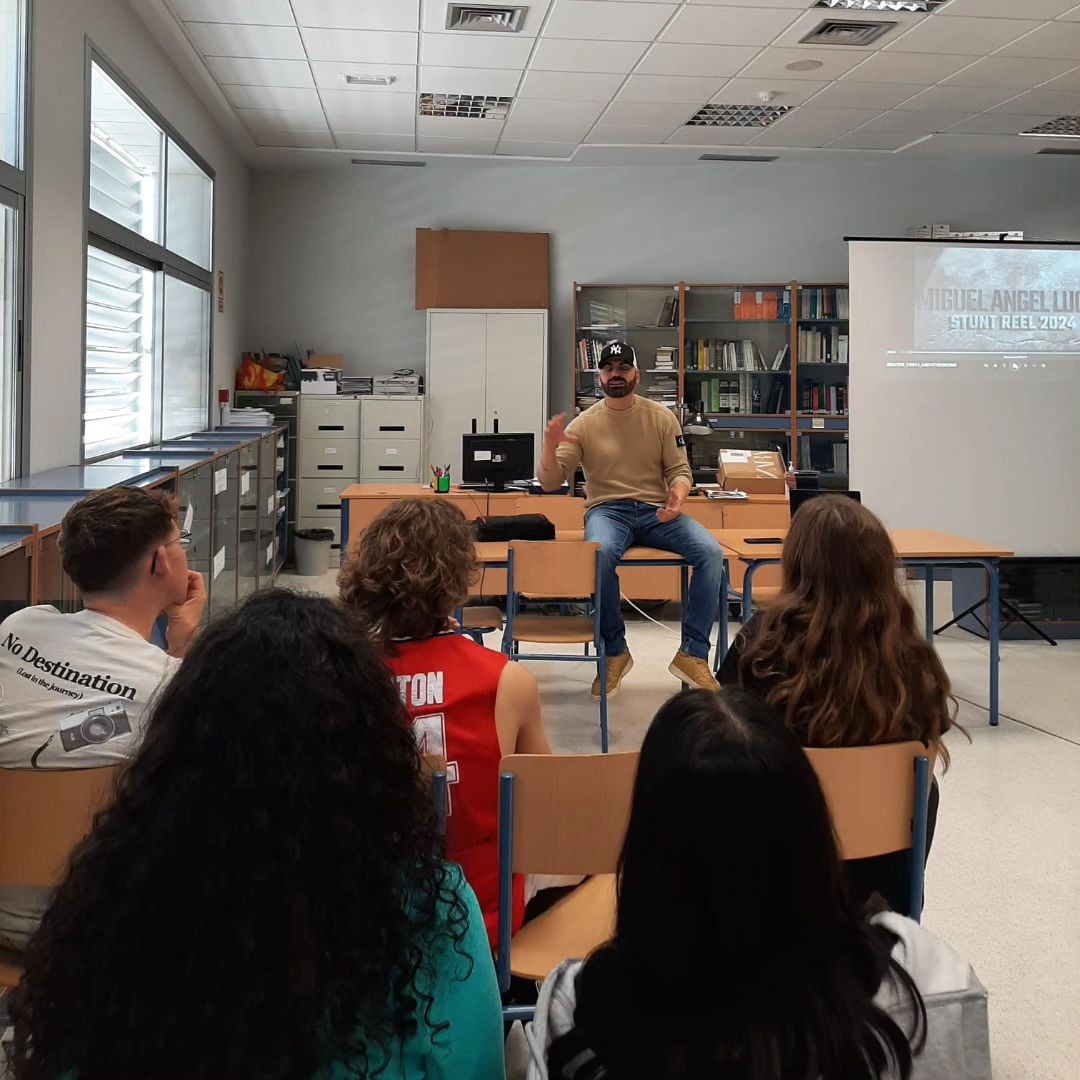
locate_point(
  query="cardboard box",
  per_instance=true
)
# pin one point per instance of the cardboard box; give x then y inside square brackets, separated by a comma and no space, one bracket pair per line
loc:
[322,381]
[327,360]
[757,472]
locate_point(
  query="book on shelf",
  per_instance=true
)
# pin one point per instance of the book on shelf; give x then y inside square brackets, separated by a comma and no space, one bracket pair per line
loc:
[780,361]
[666,359]
[823,346]
[589,352]
[824,303]
[669,312]
[829,399]
[744,396]
[605,316]
[716,354]
[762,304]
[829,456]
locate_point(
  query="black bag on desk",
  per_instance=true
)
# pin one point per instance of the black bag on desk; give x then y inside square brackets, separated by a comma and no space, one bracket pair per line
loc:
[520,527]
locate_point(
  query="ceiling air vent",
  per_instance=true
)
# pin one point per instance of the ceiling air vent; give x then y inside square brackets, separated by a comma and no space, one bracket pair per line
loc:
[760,158]
[1060,151]
[737,116]
[485,17]
[465,106]
[1064,127]
[846,32]
[392,164]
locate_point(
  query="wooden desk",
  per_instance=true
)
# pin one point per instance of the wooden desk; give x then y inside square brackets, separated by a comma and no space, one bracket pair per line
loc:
[362,503]
[923,548]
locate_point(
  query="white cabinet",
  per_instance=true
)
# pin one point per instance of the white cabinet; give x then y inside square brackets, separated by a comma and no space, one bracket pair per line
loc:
[484,366]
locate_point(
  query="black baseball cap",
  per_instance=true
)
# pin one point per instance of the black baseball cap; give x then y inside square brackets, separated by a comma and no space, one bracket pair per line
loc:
[617,352]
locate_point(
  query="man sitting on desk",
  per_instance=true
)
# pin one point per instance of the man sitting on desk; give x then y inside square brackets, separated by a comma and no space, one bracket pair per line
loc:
[636,478]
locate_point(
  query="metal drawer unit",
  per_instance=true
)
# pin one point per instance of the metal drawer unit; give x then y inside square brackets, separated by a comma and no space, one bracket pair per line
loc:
[285,408]
[330,430]
[46,511]
[330,457]
[390,460]
[18,547]
[392,440]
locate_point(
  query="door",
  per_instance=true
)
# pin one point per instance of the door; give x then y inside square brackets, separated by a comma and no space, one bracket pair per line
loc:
[455,384]
[517,372]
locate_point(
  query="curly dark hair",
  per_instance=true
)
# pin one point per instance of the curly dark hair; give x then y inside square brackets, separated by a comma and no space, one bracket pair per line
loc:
[413,567]
[261,897]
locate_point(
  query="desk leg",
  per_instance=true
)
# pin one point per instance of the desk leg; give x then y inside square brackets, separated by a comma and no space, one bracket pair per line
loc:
[684,594]
[748,592]
[722,633]
[344,531]
[993,568]
[929,603]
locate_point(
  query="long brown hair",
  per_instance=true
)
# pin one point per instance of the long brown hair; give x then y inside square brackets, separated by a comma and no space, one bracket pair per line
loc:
[837,653]
[414,566]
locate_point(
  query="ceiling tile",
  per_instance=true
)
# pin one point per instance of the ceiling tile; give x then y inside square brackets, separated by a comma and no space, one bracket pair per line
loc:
[352,140]
[727,26]
[489,82]
[772,63]
[968,99]
[584,86]
[996,123]
[787,91]
[1047,103]
[475,50]
[795,139]
[847,92]
[458,127]
[827,122]
[604,19]
[908,67]
[251,72]
[331,76]
[700,60]
[304,140]
[361,46]
[649,114]
[634,134]
[359,14]
[546,131]
[670,88]
[1054,41]
[794,4]
[274,97]
[443,144]
[1072,16]
[535,110]
[1009,72]
[961,37]
[713,136]
[1008,9]
[281,120]
[1070,81]
[391,114]
[264,42]
[261,12]
[434,17]
[917,123]
[617,57]
[514,148]
[872,140]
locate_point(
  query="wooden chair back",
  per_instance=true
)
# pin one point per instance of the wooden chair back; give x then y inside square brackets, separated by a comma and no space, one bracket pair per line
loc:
[871,795]
[43,815]
[570,811]
[554,568]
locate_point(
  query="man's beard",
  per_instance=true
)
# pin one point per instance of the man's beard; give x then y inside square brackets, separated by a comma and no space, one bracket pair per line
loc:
[616,390]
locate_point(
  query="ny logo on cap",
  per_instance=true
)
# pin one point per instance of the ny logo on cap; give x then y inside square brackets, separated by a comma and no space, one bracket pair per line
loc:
[615,350]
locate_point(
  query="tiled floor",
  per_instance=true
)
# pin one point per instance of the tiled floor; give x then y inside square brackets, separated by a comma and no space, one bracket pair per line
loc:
[1003,882]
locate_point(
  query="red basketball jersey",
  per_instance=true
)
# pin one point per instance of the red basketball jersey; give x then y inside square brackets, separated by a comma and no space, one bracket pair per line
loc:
[448,684]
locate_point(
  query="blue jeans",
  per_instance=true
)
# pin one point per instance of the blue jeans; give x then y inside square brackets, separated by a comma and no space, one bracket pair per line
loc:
[620,525]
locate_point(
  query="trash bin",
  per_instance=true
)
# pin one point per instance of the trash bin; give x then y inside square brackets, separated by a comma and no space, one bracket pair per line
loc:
[313,550]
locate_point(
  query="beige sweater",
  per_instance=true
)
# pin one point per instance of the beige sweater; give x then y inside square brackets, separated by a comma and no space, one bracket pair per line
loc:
[633,454]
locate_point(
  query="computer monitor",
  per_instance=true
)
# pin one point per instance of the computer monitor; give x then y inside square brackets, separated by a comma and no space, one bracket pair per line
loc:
[803,495]
[496,460]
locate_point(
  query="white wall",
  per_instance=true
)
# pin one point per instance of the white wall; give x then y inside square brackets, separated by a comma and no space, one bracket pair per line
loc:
[61,28]
[332,259]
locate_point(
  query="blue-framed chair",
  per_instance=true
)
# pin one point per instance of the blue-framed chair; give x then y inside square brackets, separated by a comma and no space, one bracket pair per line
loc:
[560,814]
[878,797]
[480,620]
[439,792]
[557,570]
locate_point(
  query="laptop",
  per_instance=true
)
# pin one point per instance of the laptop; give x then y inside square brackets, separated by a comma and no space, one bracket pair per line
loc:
[799,496]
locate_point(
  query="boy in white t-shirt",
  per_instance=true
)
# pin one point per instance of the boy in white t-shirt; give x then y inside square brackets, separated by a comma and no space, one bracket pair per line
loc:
[74,688]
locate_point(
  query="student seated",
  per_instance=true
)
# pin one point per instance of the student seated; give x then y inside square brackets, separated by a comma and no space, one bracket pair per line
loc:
[263,898]
[838,656]
[469,705]
[74,688]
[739,952]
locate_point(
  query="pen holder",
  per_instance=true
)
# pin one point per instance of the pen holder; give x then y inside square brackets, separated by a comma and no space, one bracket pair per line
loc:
[440,485]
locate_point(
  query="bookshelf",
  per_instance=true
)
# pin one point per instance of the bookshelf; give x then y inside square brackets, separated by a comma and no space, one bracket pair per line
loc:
[744,354]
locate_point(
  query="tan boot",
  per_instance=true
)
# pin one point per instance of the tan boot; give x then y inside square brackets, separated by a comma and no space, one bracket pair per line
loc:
[617,667]
[689,669]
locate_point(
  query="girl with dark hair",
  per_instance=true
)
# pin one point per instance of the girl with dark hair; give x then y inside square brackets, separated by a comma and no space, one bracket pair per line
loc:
[838,656]
[738,952]
[262,899]
[469,705]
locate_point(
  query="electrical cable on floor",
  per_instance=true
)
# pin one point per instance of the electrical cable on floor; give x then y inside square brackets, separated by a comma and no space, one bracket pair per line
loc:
[644,615]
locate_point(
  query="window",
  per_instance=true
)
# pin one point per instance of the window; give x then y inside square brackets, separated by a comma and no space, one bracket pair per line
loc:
[148,279]
[13,36]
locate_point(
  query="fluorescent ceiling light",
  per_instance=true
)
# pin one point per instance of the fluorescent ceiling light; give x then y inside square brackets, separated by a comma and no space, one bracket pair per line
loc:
[881,5]
[1064,127]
